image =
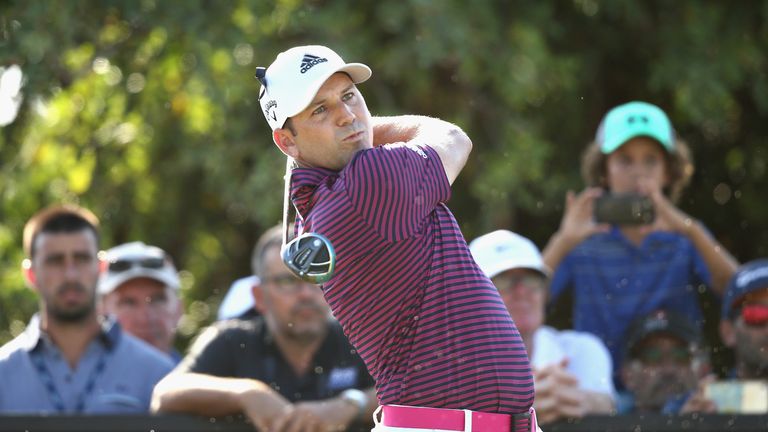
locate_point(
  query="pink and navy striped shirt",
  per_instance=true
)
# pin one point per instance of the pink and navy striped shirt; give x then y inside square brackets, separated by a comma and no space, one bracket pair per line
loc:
[429,325]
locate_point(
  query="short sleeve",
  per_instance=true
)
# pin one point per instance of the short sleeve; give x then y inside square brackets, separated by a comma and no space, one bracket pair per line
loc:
[210,354]
[395,187]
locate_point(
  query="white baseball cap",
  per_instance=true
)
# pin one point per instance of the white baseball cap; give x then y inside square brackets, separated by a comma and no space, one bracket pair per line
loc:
[134,260]
[290,83]
[502,250]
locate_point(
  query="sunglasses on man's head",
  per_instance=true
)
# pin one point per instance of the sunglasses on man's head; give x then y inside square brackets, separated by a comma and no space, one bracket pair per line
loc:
[122,265]
[754,314]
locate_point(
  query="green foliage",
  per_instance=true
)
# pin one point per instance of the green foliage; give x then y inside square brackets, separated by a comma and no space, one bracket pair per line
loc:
[147,113]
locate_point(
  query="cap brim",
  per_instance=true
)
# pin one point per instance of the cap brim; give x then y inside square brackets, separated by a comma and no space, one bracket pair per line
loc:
[111,282]
[610,146]
[511,264]
[358,72]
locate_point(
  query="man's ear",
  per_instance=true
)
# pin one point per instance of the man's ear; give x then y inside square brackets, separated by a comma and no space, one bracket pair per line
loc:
[285,142]
[727,333]
[29,274]
[258,298]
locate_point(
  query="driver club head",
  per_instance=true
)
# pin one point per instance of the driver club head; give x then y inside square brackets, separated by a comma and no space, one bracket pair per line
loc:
[310,257]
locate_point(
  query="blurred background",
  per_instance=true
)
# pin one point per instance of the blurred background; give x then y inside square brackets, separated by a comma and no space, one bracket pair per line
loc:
[146,112]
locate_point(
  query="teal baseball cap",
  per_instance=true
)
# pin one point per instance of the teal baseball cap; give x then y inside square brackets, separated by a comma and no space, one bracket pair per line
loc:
[634,119]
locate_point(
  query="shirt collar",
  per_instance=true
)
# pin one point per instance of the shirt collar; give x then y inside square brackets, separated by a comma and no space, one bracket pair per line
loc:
[34,337]
[304,181]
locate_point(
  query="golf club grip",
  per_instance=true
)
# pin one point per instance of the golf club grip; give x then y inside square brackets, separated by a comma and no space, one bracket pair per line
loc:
[289,164]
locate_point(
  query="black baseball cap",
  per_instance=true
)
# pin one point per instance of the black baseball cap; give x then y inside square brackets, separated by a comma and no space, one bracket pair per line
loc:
[752,276]
[662,321]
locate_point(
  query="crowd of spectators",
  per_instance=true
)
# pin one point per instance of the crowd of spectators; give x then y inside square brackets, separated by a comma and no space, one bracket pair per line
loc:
[103,339]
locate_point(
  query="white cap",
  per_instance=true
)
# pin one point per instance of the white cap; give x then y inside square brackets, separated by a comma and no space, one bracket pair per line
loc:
[135,260]
[503,250]
[293,79]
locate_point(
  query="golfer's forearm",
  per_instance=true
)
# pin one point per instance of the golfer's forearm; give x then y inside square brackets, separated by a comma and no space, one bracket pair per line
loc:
[387,130]
[448,140]
[200,394]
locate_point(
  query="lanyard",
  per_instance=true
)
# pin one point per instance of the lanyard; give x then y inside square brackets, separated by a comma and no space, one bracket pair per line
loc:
[53,393]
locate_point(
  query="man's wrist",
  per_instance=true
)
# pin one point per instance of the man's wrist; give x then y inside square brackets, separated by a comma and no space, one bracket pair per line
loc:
[356,398]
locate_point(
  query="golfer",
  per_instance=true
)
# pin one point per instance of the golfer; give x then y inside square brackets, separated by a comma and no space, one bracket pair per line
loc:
[431,328]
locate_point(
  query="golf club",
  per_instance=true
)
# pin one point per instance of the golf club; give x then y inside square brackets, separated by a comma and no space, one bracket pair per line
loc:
[310,256]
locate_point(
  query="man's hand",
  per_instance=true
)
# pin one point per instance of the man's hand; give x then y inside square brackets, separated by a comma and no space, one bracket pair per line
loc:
[332,415]
[557,394]
[272,413]
[577,224]
[698,403]
[264,407]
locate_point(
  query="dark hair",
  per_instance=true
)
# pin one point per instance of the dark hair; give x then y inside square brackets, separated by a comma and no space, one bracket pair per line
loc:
[679,167]
[66,218]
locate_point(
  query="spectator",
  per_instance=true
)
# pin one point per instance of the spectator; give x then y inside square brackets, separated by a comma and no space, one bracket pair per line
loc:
[663,365]
[238,301]
[572,370]
[744,323]
[67,361]
[744,328]
[621,272]
[376,188]
[140,287]
[290,369]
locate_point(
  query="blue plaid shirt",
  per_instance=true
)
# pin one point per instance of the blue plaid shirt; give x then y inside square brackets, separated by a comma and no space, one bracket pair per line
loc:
[613,282]
[116,374]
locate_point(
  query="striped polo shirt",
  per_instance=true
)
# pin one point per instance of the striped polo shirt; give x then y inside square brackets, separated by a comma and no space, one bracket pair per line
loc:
[429,325]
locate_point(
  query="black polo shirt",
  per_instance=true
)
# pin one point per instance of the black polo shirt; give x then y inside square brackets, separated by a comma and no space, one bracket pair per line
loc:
[245,349]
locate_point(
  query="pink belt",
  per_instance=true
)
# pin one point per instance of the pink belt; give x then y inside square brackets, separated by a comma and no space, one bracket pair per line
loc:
[454,419]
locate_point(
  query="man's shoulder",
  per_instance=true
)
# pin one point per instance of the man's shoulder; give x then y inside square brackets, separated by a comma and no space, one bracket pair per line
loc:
[238,326]
[15,349]
[139,353]
[11,352]
[236,330]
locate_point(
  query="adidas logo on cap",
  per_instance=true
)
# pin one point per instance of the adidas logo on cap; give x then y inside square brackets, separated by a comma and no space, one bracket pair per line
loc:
[309,60]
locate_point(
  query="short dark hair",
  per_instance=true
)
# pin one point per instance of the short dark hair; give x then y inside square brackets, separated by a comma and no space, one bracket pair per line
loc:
[66,218]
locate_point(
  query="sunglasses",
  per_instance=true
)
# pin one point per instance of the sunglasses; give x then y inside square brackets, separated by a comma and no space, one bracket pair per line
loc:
[653,356]
[754,314]
[532,283]
[122,265]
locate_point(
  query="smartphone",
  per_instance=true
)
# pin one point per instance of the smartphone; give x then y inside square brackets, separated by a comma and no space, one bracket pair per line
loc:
[624,209]
[739,397]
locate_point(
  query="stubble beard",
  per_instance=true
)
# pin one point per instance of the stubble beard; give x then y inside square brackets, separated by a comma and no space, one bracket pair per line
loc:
[71,315]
